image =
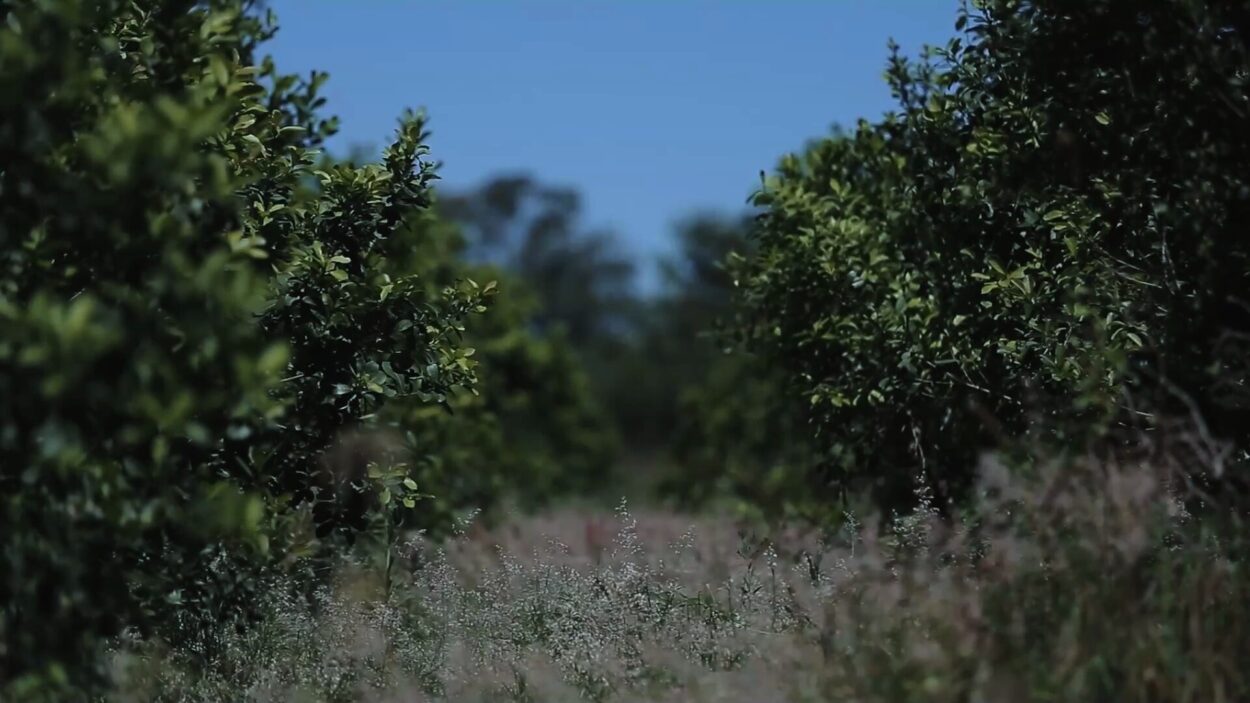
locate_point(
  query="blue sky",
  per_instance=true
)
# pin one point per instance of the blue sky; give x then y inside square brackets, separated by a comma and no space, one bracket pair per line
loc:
[653,109]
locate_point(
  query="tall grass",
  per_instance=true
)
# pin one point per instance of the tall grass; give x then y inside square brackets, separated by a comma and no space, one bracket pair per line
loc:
[1077,580]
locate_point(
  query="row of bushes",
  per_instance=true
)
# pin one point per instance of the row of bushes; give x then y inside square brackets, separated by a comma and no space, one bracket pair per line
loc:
[1044,238]
[204,324]
[224,354]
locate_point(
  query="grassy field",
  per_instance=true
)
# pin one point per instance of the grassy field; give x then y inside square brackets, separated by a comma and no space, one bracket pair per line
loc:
[1082,581]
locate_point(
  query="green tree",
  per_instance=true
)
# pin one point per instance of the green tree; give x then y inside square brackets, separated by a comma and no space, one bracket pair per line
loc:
[1047,227]
[190,312]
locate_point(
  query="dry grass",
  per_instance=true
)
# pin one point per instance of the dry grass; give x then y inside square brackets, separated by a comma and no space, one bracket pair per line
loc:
[1090,581]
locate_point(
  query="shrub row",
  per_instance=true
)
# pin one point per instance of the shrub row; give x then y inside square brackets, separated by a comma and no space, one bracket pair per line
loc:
[1046,235]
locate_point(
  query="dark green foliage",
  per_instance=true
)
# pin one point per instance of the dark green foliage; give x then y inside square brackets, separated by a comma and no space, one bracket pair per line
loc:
[190,313]
[740,439]
[1050,225]
[550,355]
[724,417]
[676,336]
[362,329]
[532,430]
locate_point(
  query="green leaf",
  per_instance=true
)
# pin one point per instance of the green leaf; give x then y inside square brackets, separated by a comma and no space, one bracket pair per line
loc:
[220,72]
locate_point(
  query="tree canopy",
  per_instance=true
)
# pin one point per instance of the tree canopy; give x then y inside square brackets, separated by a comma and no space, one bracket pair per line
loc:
[1046,234]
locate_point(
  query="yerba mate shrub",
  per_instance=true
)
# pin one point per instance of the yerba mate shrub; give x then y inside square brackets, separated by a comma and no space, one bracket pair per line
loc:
[190,313]
[1052,220]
